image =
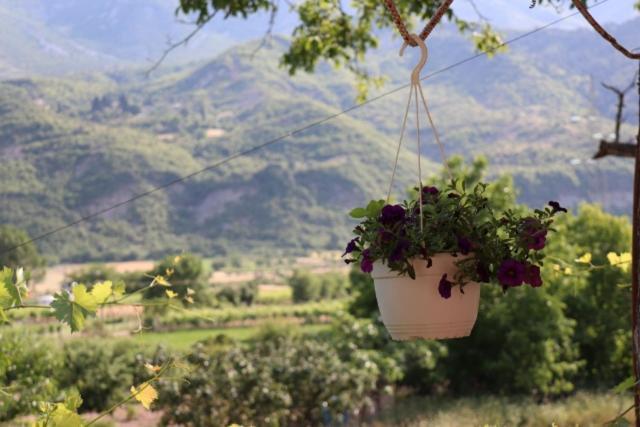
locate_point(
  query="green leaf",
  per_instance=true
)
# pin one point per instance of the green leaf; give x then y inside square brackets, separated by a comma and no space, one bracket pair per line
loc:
[3,316]
[374,207]
[10,292]
[74,311]
[73,400]
[102,291]
[118,289]
[63,417]
[625,385]
[358,213]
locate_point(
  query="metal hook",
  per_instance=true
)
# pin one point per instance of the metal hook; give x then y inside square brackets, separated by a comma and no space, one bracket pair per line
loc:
[424,54]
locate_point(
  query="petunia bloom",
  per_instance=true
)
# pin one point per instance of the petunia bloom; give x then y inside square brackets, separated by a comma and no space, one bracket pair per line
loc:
[392,214]
[532,276]
[429,191]
[366,265]
[511,273]
[351,246]
[444,288]
[534,234]
[464,245]
[555,207]
[398,252]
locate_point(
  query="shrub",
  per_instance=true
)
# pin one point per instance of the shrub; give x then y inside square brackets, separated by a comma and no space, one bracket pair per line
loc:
[187,272]
[600,307]
[28,368]
[26,255]
[94,274]
[304,286]
[521,344]
[277,380]
[100,371]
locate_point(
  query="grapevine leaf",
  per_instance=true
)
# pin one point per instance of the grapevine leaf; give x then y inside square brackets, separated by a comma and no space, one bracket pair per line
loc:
[119,289]
[10,291]
[84,299]
[160,280]
[73,400]
[625,385]
[74,311]
[145,394]
[102,291]
[63,417]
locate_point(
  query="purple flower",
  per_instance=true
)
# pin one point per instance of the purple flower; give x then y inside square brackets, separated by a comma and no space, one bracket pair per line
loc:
[555,207]
[366,265]
[429,193]
[532,276]
[444,288]
[351,246]
[483,273]
[538,240]
[392,214]
[511,273]
[464,245]
[398,252]
[534,234]
[385,236]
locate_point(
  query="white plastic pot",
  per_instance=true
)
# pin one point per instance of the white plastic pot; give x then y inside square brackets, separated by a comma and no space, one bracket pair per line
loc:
[414,309]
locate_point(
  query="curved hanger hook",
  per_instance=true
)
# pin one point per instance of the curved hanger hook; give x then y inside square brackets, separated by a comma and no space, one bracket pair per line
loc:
[424,54]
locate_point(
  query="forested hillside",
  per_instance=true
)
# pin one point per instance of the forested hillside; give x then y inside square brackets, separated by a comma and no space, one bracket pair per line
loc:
[77,144]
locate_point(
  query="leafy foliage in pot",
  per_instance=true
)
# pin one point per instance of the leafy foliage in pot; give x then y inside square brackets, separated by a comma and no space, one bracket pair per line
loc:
[501,247]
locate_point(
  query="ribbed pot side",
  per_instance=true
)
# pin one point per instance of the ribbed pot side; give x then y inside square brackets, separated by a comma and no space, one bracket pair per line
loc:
[414,309]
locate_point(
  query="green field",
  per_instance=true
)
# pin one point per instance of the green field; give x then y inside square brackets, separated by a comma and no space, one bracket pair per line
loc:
[182,340]
[582,409]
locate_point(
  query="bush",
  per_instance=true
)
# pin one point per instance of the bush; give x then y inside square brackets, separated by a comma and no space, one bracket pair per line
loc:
[187,272]
[25,256]
[101,372]
[94,274]
[28,368]
[363,302]
[306,286]
[279,380]
[521,343]
[600,307]
[244,294]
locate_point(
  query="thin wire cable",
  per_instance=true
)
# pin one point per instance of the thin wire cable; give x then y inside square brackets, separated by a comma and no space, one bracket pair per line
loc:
[289,134]
[415,87]
[436,134]
[402,131]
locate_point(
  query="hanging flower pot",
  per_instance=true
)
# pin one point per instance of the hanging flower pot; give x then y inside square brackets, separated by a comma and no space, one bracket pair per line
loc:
[427,256]
[415,309]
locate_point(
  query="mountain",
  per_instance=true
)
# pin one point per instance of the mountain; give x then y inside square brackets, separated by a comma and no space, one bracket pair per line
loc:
[54,37]
[74,146]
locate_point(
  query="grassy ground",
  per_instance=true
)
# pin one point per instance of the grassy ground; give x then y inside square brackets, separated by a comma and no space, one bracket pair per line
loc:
[182,340]
[582,409]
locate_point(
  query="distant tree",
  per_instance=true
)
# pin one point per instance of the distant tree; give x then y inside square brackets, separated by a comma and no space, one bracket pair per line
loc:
[11,255]
[93,274]
[304,286]
[184,272]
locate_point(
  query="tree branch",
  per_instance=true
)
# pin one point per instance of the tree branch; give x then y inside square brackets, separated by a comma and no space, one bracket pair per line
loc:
[182,42]
[618,149]
[584,10]
[267,35]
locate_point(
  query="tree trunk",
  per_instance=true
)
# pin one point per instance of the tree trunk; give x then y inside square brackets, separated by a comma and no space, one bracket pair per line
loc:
[635,269]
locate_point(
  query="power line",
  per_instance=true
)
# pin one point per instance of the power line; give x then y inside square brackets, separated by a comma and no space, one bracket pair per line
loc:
[287,135]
